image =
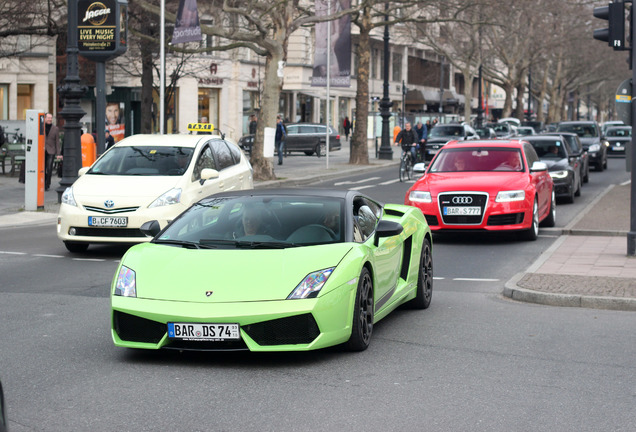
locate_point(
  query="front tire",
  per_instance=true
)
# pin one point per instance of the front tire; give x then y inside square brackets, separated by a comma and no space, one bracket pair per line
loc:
[406,169]
[362,326]
[532,233]
[424,288]
[74,247]
[550,220]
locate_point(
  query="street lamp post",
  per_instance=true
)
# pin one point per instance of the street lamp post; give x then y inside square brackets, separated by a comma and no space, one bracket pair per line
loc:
[385,103]
[72,112]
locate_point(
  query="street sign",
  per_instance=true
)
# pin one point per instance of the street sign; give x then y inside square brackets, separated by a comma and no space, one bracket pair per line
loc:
[624,101]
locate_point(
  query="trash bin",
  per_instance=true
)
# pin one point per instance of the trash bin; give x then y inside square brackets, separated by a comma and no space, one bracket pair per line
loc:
[89,150]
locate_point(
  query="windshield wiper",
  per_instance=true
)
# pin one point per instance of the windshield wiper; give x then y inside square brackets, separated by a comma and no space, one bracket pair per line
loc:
[183,243]
[250,244]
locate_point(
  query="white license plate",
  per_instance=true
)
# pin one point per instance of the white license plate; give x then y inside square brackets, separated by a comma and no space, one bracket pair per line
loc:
[616,148]
[462,211]
[107,221]
[203,331]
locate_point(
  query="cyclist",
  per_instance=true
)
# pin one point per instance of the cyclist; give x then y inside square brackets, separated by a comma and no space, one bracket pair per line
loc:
[409,140]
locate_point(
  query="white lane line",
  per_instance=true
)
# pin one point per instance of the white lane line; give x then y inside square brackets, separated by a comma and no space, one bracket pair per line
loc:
[89,259]
[361,187]
[356,182]
[475,280]
[48,256]
[13,253]
[438,278]
[389,182]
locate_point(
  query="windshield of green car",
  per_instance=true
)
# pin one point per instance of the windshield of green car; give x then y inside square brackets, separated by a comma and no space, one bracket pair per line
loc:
[144,161]
[258,222]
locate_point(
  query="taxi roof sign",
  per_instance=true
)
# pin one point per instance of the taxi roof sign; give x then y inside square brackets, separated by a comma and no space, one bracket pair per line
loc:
[200,127]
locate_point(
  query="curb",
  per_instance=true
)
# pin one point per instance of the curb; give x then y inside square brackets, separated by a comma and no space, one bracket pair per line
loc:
[514,292]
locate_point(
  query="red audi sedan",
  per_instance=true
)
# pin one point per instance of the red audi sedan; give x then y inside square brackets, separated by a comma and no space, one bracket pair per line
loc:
[486,186]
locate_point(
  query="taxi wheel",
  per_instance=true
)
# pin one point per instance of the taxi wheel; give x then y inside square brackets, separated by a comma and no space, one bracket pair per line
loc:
[76,247]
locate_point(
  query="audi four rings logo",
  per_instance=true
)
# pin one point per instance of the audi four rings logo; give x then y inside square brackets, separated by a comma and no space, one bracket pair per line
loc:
[462,200]
[109,203]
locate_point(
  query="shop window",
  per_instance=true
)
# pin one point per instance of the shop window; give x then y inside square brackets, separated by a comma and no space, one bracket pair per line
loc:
[25,99]
[4,101]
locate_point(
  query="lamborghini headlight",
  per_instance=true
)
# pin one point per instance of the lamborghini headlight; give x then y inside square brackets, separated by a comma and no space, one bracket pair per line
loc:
[311,284]
[126,285]
[171,197]
[559,174]
[508,196]
[420,196]
[68,197]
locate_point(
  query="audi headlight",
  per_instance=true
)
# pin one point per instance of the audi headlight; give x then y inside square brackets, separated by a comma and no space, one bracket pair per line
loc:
[594,148]
[68,197]
[420,196]
[311,284]
[508,196]
[126,285]
[558,174]
[171,197]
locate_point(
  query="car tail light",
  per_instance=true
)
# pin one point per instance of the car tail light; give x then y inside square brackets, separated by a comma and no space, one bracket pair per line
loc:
[338,136]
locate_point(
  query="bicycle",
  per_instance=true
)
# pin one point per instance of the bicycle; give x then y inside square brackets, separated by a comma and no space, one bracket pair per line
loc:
[406,164]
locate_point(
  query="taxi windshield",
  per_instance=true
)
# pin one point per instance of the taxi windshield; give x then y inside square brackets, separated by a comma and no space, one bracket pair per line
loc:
[144,161]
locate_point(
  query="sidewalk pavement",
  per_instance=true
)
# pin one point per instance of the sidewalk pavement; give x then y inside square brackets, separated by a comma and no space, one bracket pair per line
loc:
[587,266]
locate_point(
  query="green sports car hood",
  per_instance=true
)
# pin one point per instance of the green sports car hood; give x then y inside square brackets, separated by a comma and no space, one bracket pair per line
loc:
[231,275]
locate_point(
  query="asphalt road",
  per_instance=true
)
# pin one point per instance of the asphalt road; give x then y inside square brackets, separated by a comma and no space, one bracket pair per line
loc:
[472,361]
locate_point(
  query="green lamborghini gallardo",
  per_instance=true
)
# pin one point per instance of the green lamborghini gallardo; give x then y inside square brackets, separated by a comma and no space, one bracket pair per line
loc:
[272,270]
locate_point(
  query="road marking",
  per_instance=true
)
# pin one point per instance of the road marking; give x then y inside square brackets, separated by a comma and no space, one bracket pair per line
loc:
[390,182]
[361,187]
[48,256]
[475,280]
[13,253]
[356,182]
[89,259]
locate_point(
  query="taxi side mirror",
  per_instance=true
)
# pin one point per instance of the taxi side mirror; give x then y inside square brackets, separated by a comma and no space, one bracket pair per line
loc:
[208,173]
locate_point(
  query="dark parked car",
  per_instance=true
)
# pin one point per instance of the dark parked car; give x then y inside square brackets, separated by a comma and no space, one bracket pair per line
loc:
[486,133]
[618,137]
[246,142]
[4,422]
[503,130]
[563,165]
[443,133]
[308,138]
[590,134]
[578,150]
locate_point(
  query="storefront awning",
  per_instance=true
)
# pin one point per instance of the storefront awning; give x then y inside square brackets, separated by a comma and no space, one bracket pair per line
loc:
[414,97]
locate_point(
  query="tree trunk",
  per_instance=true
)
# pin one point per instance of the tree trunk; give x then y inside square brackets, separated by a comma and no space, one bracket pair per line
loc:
[359,154]
[264,167]
[519,108]
[468,93]
[146,89]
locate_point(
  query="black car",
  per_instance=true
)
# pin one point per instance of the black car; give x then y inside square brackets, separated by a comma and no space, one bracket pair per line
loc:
[618,137]
[443,133]
[4,422]
[486,132]
[309,138]
[246,142]
[578,150]
[590,134]
[563,165]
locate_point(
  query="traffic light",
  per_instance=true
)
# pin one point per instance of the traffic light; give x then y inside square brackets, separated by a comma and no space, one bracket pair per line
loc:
[614,35]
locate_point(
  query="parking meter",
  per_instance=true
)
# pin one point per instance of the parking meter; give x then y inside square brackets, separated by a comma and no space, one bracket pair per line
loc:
[34,161]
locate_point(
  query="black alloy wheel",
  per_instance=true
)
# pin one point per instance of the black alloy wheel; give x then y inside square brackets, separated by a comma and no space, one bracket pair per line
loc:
[424,288]
[362,326]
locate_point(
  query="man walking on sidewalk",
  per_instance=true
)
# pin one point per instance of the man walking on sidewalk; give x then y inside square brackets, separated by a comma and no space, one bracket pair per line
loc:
[51,148]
